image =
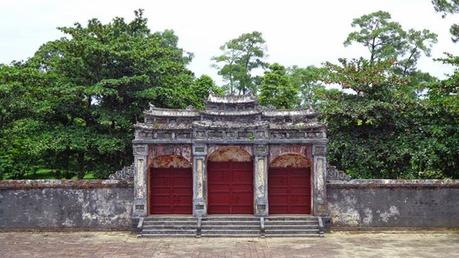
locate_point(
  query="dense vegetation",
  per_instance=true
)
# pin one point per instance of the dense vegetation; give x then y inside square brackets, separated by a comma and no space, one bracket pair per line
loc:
[68,110]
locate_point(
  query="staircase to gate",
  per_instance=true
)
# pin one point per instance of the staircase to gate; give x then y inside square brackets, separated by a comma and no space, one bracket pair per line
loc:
[231,226]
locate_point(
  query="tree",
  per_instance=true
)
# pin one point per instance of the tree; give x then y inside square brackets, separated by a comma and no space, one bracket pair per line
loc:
[385,123]
[240,57]
[276,89]
[386,40]
[70,108]
[308,81]
[448,7]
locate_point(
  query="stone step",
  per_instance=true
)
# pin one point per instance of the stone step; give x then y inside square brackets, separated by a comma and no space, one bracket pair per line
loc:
[230,218]
[230,235]
[169,226]
[168,231]
[167,235]
[293,235]
[291,219]
[291,226]
[291,223]
[170,223]
[231,231]
[218,223]
[232,227]
[169,219]
[291,231]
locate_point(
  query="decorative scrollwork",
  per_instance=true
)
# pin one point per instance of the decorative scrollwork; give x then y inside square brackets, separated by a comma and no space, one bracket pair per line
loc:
[125,174]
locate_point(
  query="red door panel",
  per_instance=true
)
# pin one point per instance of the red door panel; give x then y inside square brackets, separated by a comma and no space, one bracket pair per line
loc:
[289,190]
[171,191]
[230,187]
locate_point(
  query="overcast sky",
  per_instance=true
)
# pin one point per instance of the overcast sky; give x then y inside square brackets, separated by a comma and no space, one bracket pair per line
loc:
[297,32]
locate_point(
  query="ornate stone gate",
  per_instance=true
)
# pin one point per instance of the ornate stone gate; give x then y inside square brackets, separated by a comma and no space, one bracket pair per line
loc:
[174,138]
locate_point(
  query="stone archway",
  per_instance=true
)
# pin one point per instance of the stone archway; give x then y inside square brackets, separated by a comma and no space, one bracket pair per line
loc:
[289,184]
[230,181]
[170,185]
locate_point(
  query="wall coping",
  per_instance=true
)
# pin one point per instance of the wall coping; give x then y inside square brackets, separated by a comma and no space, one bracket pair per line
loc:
[67,183]
[394,183]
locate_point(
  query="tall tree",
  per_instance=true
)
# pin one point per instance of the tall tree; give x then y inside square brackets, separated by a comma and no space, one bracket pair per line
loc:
[276,89]
[378,125]
[387,40]
[308,80]
[446,7]
[240,57]
[89,88]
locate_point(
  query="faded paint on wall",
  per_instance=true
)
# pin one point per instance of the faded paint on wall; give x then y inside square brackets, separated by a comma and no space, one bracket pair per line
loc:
[279,150]
[229,153]
[157,150]
[260,176]
[199,179]
[290,160]
[170,161]
[140,178]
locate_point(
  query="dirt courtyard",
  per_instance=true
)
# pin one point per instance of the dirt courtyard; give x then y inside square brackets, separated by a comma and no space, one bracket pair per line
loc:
[124,244]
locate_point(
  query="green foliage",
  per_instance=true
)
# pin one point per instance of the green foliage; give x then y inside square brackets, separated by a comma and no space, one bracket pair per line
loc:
[390,120]
[240,57]
[277,90]
[386,40]
[71,107]
[308,81]
[448,7]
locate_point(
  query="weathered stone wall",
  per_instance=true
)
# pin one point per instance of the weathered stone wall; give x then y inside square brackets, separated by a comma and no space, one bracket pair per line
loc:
[393,203]
[56,204]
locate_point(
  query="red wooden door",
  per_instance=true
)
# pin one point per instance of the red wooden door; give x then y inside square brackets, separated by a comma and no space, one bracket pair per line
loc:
[230,187]
[171,191]
[289,190]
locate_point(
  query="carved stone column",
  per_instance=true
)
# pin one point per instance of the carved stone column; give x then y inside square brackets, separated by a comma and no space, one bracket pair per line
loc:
[260,168]
[140,180]
[199,180]
[319,153]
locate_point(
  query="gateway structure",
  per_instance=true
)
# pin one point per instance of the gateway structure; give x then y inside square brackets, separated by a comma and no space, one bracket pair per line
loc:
[234,157]
[231,158]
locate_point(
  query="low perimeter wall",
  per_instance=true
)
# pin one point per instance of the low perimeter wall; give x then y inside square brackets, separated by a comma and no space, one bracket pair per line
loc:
[54,204]
[106,204]
[361,204]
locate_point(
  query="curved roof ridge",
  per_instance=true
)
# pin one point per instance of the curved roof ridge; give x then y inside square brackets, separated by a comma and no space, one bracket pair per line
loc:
[231,98]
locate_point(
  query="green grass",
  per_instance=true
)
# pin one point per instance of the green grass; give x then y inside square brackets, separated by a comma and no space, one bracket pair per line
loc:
[46,173]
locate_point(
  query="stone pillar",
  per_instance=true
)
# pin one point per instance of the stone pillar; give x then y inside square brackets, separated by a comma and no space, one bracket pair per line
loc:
[260,169]
[319,152]
[140,180]
[199,180]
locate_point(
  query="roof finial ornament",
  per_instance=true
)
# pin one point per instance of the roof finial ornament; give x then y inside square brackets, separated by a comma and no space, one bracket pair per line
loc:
[189,108]
[151,106]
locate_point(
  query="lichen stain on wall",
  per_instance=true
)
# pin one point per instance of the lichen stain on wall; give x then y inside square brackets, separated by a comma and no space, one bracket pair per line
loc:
[344,213]
[229,153]
[392,213]
[290,160]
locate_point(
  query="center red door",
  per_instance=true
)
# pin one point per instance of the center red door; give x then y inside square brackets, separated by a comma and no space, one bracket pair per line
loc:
[289,190]
[230,187]
[171,191]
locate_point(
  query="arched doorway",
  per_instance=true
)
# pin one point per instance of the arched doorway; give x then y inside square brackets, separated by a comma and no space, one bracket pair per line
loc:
[289,185]
[230,181]
[171,185]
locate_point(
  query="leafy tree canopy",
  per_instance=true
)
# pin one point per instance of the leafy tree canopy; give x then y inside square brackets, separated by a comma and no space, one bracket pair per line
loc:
[240,57]
[70,108]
